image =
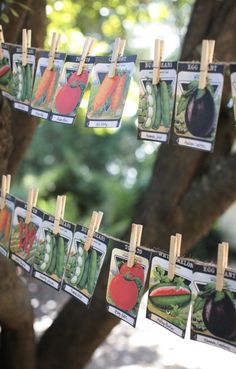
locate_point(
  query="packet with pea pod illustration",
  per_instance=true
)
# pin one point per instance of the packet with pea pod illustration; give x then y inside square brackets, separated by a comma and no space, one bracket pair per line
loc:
[84,266]
[156,101]
[51,254]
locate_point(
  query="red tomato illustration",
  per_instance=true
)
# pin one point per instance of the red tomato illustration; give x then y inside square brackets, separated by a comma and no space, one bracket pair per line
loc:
[124,292]
[135,271]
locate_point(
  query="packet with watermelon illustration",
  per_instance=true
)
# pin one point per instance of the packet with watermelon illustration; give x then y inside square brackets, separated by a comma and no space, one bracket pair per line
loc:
[5,69]
[51,254]
[213,318]
[233,86]
[169,300]
[83,267]
[45,84]
[125,286]
[70,89]
[108,94]
[156,101]
[6,216]
[25,236]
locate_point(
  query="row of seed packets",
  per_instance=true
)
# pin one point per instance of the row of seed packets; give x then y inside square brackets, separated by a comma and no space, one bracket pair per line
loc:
[61,261]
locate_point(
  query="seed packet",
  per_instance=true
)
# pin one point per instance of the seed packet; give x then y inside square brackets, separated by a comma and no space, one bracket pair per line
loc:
[45,84]
[83,267]
[22,78]
[5,69]
[25,237]
[108,95]
[213,318]
[51,253]
[70,89]
[197,110]
[233,86]
[6,216]
[169,300]
[156,102]
[125,286]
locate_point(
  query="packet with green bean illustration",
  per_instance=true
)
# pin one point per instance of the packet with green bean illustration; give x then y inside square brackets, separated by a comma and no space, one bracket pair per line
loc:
[169,300]
[6,216]
[25,236]
[156,101]
[51,254]
[83,267]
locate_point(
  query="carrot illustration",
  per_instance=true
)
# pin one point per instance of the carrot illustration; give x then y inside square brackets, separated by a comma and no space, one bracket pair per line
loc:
[105,91]
[8,226]
[117,95]
[43,84]
[51,87]
[3,221]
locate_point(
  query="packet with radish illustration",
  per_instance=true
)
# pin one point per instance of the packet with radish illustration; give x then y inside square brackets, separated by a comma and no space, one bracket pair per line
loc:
[70,89]
[213,318]
[125,286]
[25,236]
[51,254]
[6,217]
[233,86]
[169,300]
[5,70]
[156,102]
[197,110]
[22,78]
[108,95]
[45,84]
[83,267]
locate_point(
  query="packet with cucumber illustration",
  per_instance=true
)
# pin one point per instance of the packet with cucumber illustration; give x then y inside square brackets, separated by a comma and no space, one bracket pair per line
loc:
[84,266]
[156,101]
[169,300]
[51,254]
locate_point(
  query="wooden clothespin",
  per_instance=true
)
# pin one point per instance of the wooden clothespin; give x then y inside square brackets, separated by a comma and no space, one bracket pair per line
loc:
[135,241]
[179,241]
[1,41]
[206,58]
[86,50]
[5,189]
[173,253]
[93,227]
[139,234]
[53,49]
[31,202]
[158,56]
[222,263]
[24,47]
[211,51]
[59,214]
[29,38]
[118,50]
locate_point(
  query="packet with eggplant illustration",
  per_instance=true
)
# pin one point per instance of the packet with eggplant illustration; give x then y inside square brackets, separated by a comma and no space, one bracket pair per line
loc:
[197,110]
[156,101]
[108,94]
[6,217]
[5,69]
[51,254]
[25,236]
[233,86]
[22,78]
[70,89]
[45,84]
[169,300]
[84,266]
[125,286]
[213,318]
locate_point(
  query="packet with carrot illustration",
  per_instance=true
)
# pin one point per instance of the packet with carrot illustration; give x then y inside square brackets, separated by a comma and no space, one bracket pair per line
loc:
[70,89]
[5,69]
[45,84]
[169,299]
[22,78]
[156,101]
[108,94]
[6,216]
[25,236]
[125,286]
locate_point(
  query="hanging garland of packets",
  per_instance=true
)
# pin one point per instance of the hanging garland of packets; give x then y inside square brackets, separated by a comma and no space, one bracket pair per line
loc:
[179,101]
[70,258]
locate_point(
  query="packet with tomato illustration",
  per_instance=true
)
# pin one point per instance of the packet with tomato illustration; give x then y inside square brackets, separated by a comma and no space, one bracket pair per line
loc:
[125,286]
[45,84]
[5,70]
[22,78]
[156,102]
[213,318]
[51,254]
[6,216]
[169,300]
[108,95]
[70,89]
[25,236]
[83,267]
